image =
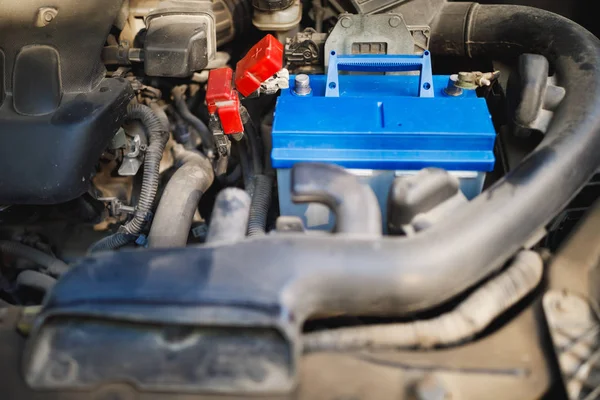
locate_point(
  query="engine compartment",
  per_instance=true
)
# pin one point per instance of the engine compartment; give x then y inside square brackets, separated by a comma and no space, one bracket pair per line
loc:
[378,188]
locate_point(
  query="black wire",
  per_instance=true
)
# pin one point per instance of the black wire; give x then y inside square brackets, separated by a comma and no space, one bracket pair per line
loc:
[246,166]
[254,147]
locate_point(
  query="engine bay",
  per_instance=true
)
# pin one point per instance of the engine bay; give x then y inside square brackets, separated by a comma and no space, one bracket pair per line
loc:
[317,199]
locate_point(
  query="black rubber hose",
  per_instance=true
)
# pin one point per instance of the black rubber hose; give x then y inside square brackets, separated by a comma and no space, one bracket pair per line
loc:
[181,131]
[179,201]
[112,242]
[35,280]
[234,176]
[208,142]
[52,265]
[259,208]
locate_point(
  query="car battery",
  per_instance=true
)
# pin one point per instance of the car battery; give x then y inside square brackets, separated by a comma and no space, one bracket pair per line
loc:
[379,126]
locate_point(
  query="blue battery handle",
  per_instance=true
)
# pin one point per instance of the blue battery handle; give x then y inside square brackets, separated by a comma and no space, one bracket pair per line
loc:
[379,63]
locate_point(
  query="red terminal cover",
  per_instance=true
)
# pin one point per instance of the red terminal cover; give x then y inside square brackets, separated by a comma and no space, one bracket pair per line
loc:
[222,99]
[263,60]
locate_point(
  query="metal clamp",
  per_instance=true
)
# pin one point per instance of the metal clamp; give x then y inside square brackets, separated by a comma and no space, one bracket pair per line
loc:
[116,206]
[133,160]
[379,63]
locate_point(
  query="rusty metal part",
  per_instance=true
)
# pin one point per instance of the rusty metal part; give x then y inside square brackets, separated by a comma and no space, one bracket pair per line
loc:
[473,80]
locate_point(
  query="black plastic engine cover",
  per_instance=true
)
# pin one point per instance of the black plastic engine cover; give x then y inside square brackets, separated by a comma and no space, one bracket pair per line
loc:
[57,110]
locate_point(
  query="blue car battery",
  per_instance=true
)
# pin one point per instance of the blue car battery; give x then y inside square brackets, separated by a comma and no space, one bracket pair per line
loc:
[379,127]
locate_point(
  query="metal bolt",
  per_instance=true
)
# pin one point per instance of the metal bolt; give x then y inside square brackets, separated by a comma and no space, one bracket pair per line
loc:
[346,22]
[302,85]
[452,89]
[136,55]
[48,17]
[394,21]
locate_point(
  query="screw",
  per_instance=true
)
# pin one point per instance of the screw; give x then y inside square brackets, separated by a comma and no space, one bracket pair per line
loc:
[394,21]
[302,85]
[346,22]
[48,17]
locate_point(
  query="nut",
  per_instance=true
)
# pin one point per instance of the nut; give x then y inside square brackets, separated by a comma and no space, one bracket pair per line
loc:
[302,85]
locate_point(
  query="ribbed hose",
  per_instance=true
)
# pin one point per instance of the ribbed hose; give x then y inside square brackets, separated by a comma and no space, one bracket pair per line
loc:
[52,265]
[472,316]
[35,280]
[158,139]
[158,136]
[161,115]
[112,242]
[261,202]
